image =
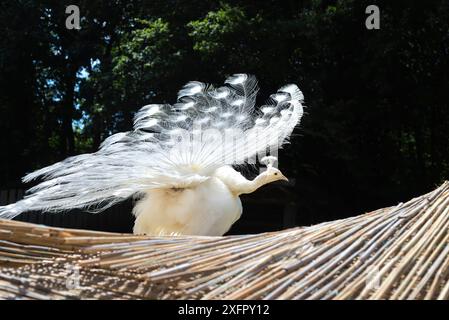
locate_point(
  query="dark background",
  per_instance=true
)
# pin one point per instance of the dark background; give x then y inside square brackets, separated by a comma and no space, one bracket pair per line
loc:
[376,129]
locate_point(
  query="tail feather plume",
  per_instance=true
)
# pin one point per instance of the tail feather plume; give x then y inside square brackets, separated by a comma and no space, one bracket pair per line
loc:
[169,147]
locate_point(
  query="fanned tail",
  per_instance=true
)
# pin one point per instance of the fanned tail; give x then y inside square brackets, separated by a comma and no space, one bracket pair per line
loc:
[175,146]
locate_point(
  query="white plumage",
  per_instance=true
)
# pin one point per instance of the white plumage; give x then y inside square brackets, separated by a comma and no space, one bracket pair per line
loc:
[177,159]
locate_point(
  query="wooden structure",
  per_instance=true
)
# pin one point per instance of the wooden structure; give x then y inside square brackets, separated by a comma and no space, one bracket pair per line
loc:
[400,252]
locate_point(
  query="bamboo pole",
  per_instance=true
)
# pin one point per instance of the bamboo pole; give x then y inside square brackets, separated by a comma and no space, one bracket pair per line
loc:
[399,252]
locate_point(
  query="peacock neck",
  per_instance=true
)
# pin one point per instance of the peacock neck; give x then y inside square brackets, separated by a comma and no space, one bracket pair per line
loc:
[250,186]
[237,183]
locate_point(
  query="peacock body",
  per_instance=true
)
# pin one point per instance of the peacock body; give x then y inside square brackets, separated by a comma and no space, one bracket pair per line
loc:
[178,160]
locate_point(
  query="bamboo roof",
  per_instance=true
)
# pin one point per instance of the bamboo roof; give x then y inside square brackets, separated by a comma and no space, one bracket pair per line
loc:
[400,252]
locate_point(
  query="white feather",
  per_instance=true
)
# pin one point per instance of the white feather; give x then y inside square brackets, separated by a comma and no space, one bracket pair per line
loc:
[163,150]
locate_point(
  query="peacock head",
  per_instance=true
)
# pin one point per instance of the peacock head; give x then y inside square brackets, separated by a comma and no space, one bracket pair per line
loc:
[271,174]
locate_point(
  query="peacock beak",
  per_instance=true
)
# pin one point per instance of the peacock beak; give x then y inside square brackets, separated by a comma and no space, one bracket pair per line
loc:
[284,178]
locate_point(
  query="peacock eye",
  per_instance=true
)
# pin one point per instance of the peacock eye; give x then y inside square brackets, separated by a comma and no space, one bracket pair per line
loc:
[275,173]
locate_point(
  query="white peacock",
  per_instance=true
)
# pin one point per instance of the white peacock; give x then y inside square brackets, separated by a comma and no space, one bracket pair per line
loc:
[177,160]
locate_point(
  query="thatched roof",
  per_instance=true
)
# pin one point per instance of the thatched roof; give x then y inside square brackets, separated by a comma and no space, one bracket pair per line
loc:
[399,252]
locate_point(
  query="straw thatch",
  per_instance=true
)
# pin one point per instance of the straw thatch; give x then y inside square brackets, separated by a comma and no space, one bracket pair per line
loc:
[400,252]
